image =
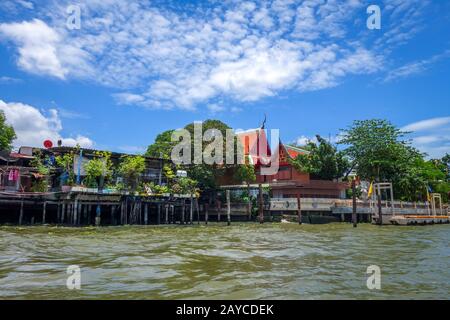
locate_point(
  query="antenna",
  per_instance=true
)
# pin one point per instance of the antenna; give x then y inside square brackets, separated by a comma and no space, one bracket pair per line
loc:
[264,122]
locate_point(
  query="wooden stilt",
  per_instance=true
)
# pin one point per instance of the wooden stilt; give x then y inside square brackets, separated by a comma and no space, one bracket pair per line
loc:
[158,217]
[85,213]
[198,210]
[172,213]
[183,208]
[80,211]
[113,212]
[145,213]
[219,209]
[206,212]
[44,209]
[75,212]
[89,214]
[380,210]
[228,208]
[191,210]
[299,208]
[261,208]
[354,216]
[98,213]
[21,213]
[249,203]
[63,210]
[166,220]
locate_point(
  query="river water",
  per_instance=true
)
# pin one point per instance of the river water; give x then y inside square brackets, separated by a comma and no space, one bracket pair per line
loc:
[243,261]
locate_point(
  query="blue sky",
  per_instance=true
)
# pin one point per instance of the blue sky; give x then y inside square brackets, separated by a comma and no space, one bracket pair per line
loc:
[134,69]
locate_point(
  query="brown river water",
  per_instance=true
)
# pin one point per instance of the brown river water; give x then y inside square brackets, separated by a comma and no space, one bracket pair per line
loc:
[243,261]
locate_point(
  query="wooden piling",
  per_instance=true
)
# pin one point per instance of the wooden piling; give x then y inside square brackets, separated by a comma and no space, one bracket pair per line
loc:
[145,213]
[44,209]
[183,208]
[75,212]
[63,209]
[98,213]
[89,214]
[219,208]
[113,212]
[158,217]
[85,213]
[172,213]
[166,220]
[80,211]
[228,208]
[206,212]
[299,208]
[191,210]
[354,217]
[198,210]
[261,208]
[380,210]
[21,213]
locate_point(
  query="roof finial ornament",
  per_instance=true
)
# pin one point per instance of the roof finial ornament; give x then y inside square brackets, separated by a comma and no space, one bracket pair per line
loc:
[264,122]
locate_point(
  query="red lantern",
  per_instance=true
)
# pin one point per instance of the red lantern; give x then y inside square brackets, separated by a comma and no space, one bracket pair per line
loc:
[48,144]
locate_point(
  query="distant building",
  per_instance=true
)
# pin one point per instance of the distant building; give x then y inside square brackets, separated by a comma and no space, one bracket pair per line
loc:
[17,172]
[288,181]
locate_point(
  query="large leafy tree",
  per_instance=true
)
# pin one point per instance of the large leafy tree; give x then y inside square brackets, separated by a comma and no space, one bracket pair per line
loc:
[7,133]
[162,147]
[323,161]
[377,148]
[380,152]
[206,175]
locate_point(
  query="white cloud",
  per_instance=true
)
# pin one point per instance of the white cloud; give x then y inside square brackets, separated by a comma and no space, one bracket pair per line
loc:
[36,43]
[304,140]
[9,80]
[427,124]
[215,108]
[158,56]
[32,126]
[414,68]
[431,136]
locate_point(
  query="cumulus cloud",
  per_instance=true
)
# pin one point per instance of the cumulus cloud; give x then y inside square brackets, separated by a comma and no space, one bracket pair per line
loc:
[36,42]
[158,56]
[33,126]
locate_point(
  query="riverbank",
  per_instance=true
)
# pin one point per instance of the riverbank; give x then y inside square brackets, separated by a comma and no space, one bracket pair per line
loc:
[243,261]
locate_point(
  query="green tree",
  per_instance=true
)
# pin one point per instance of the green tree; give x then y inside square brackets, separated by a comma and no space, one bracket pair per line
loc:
[205,175]
[98,169]
[7,133]
[131,169]
[377,149]
[163,145]
[245,173]
[380,152]
[323,161]
[65,162]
